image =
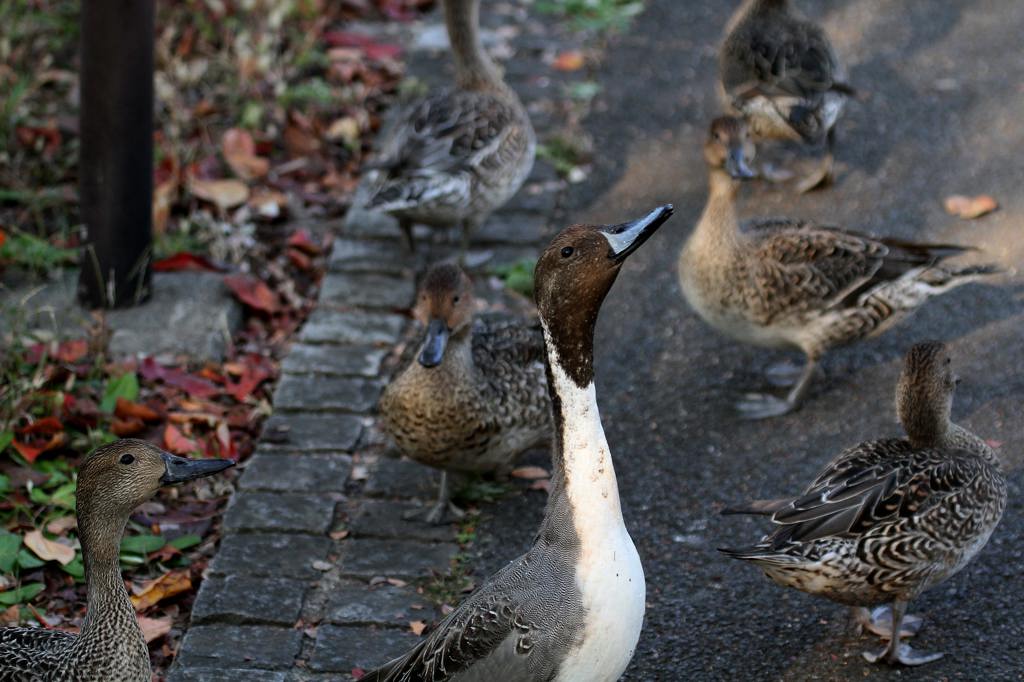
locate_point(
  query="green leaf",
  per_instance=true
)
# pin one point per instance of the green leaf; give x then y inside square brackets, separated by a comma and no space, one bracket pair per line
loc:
[185,541]
[5,482]
[64,496]
[9,546]
[5,439]
[75,568]
[125,386]
[142,544]
[21,595]
[27,559]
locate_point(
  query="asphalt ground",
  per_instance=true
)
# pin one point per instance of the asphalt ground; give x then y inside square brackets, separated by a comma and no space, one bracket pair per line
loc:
[943,114]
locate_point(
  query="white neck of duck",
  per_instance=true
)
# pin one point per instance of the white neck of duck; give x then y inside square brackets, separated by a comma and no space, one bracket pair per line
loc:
[718,228]
[474,69]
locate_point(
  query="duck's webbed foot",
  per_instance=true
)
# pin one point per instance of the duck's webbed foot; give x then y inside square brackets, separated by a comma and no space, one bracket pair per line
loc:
[763,406]
[901,654]
[821,177]
[442,511]
[878,621]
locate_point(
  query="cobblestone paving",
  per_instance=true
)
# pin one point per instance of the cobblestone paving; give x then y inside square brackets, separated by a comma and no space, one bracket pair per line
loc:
[317,570]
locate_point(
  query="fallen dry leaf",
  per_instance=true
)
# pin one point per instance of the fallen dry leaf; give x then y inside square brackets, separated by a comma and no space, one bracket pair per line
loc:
[338,534]
[48,550]
[12,614]
[530,473]
[253,292]
[154,628]
[178,443]
[397,582]
[970,207]
[131,426]
[153,592]
[224,194]
[61,525]
[569,61]
[126,409]
[542,484]
[417,627]
[240,152]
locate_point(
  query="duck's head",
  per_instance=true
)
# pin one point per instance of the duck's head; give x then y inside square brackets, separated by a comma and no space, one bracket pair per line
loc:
[445,307]
[118,477]
[924,393]
[573,276]
[729,148]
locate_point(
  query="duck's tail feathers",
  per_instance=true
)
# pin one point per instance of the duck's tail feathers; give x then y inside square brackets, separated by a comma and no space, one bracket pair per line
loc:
[846,89]
[757,507]
[760,554]
[944,277]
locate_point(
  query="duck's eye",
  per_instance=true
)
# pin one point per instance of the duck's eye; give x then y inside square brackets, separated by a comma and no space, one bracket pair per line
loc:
[567,251]
[127,459]
[456,299]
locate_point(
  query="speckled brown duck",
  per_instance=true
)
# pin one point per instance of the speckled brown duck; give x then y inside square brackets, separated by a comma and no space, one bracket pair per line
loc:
[112,481]
[888,519]
[475,396]
[572,607]
[779,71]
[789,283]
[457,155]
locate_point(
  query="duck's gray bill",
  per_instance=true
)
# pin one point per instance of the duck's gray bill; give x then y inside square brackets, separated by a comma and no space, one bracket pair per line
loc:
[736,166]
[626,238]
[435,343]
[181,469]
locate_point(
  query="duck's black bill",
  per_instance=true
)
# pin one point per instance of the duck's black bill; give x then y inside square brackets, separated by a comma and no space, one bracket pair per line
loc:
[626,238]
[181,469]
[433,346]
[736,166]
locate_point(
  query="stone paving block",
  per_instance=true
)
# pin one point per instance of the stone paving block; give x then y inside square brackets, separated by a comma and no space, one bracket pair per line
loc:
[225,675]
[242,599]
[392,477]
[536,198]
[365,255]
[356,603]
[286,432]
[506,227]
[331,360]
[383,519]
[406,559]
[342,648]
[270,554]
[333,326]
[362,223]
[317,394]
[239,646]
[281,512]
[305,472]
[368,289]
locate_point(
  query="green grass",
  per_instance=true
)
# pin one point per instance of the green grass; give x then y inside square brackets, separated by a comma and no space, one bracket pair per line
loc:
[33,253]
[562,153]
[597,16]
[517,276]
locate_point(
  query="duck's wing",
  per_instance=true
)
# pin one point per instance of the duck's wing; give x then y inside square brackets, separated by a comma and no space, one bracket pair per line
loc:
[444,140]
[31,651]
[507,339]
[872,486]
[501,632]
[798,268]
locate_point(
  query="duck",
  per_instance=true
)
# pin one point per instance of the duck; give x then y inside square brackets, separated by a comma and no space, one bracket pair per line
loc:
[112,481]
[779,71]
[456,155]
[791,283]
[571,608]
[474,397]
[889,519]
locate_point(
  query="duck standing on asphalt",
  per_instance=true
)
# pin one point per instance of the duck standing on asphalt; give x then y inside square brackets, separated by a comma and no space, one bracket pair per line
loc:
[571,608]
[457,155]
[112,481]
[789,283]
[475,396]
[778,70]
[888,519]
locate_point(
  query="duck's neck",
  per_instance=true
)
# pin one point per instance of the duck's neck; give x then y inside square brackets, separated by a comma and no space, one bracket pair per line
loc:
[584,499]
[474,70]
[718,228]
[109,609]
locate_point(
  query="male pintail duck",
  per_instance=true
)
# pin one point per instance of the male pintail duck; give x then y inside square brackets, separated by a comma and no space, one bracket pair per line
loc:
[779,71]
[570,609]
[475,396]
[457,155]
[888,519]
[794,283]
[112,481]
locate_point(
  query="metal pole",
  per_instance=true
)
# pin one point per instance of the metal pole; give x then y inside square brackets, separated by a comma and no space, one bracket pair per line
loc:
[116,158]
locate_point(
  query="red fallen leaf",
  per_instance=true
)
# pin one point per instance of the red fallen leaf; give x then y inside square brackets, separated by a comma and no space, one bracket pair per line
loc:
[371,48]
[299,259]
[302,240]
[994,444]
[3,237]
[72,350]
[44,425]
[126,409]
[31,452]
[151,370]
[28,135]
[358,673]
[569,61]
[177,443]
[186,261]
[255,370]
[252,292]
[127,427]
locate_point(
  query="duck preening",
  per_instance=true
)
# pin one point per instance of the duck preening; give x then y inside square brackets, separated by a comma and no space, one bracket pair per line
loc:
[779,71]
[456,156]
[888,519]
[474,397]
[112,481]
[571,608]
[782,282]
